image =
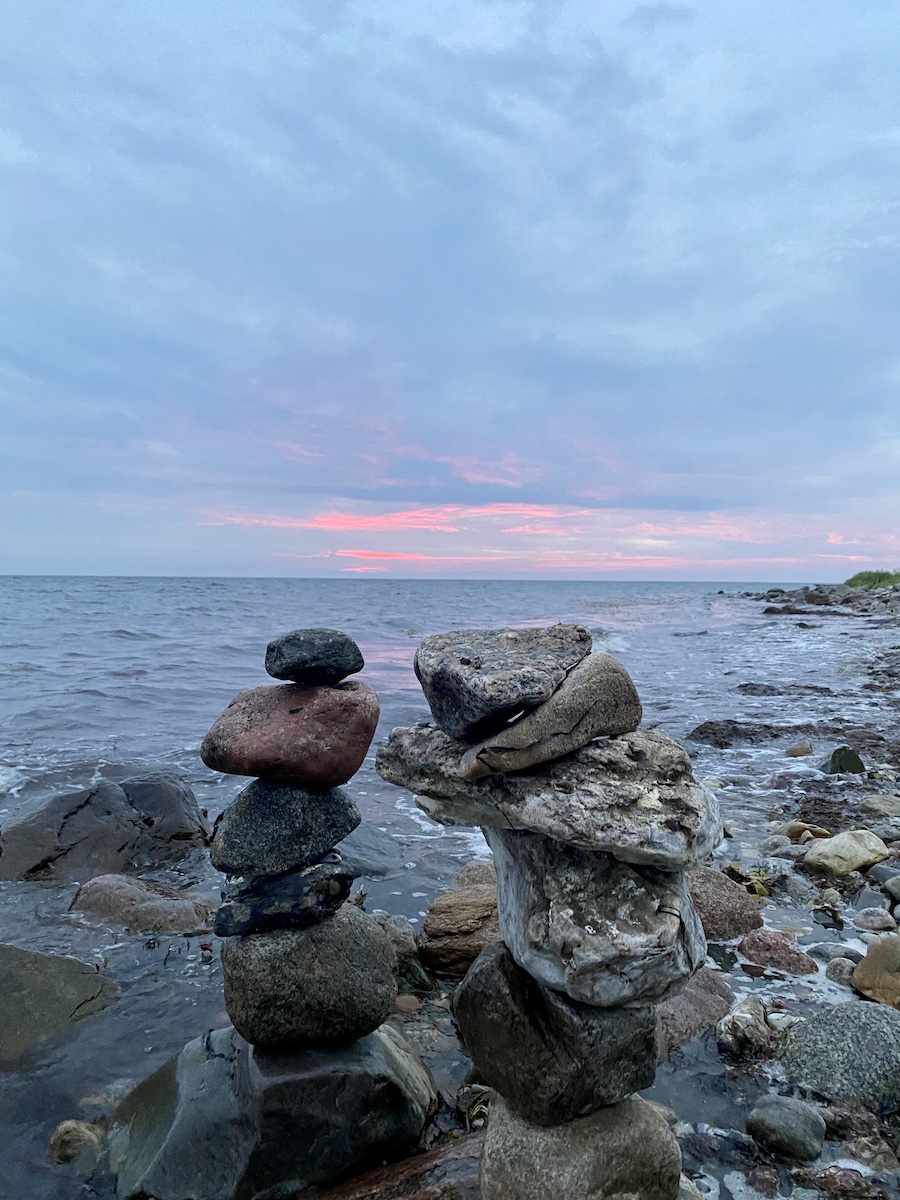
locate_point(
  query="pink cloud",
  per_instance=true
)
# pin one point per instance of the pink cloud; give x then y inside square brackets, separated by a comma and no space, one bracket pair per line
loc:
[404,557]
[298,453]
[510,471]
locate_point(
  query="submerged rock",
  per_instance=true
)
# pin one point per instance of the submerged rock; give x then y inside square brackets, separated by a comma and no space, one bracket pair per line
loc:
[310,736]
[272,828]
[626,1150]
[326,985]
[94,831]
[848,1052]
[632,796]
[596,698]
[604,932]
[42,994]
[476,679]
[550,1058]
[226,1121]
[370,851]
[787,1128]
[142,905]
[291,901]
[726,909]
[457,928]
[314,657]
[75,1143]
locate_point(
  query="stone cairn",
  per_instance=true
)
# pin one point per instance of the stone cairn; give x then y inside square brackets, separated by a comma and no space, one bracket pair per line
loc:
[593,822]
[309,1083]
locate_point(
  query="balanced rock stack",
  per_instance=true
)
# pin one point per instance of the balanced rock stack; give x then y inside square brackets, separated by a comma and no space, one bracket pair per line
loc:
[593,823]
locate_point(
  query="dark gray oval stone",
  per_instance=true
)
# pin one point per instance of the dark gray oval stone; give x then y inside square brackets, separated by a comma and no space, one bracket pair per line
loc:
[318,657]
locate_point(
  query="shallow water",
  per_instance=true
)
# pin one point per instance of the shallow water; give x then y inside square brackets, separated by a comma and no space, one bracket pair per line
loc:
[107,676]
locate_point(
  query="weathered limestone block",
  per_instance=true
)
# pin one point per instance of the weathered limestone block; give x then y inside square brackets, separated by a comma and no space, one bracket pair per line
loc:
[604,932]
[551,1058]
[597,698]
[633,796]
[476,679]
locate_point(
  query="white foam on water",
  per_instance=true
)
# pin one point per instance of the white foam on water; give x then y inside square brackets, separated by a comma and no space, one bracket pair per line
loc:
[11,780]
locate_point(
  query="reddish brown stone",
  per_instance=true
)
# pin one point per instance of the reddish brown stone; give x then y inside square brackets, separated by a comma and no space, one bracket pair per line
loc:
[313,736]
[449,1173]
[767,948]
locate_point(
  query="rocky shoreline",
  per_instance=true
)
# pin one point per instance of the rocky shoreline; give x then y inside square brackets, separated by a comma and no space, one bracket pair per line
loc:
[785,1041]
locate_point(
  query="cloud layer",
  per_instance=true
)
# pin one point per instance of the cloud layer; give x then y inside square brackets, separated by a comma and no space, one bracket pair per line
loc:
[496,288]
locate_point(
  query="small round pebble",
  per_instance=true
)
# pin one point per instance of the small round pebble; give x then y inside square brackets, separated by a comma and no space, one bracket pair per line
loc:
[840,970]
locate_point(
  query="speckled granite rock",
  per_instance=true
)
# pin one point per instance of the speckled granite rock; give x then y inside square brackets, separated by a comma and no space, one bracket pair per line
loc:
[314,657]
[597,698]
[848,1052]
[310,736]
[550,1058]
[625,1150]
[604,932]
[326,985]
[632,796]
[476,679]
[272,828]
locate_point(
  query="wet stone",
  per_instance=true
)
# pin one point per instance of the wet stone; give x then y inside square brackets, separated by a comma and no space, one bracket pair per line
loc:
[632,796]
[551,1058]
[475,680]
[296,900]
[325,985]
[272,828]
[603,932]
[787,1128]
[314,657]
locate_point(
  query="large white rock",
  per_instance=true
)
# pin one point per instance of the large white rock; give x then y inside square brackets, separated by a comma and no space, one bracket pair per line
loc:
[633,796]
[601,931]
[846,852]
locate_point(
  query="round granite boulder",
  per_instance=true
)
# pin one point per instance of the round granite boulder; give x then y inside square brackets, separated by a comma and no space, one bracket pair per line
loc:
[326,985]
[848,1052]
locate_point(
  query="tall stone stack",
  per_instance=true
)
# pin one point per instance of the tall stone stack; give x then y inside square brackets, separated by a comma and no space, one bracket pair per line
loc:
[593,822]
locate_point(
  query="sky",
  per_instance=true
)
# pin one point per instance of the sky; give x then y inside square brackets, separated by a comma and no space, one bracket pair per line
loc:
[473,288]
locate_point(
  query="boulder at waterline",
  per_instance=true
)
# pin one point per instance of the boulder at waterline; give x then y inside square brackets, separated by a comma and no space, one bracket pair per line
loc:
[314,657]
[787,1128]
[878,974]
[142,905]
[726,909]
[596,698]
[745,1032]
[411,974]
[848,1052]
[769,948]
[477,872]
[76,835]
[326,985]
[845,852]
[881,805]
[76,1143]
[272,828]
[625,1150]
[458,926]
[843,761]
[551,1058]
[170,810]
[370,851]
[476,679]
[602,931]
[705,1000]
[632,796]
[251,903]
[316,737]
[42,994]
[225,1121]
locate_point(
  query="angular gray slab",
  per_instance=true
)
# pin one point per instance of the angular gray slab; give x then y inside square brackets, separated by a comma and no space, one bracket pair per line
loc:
[604,932]
[224,1121]
[42,993]
[632,796]
[476,679]
[251,904]
[597,698]
[551,1058]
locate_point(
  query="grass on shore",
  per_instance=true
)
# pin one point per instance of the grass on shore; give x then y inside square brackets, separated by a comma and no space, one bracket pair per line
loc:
[874,579]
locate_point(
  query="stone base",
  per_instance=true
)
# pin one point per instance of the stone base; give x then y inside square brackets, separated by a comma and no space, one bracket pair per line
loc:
[624,1151]
[225,1121]
[551,1058]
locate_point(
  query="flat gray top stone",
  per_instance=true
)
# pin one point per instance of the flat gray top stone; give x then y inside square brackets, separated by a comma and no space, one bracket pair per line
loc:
[476,679]
[633,796]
